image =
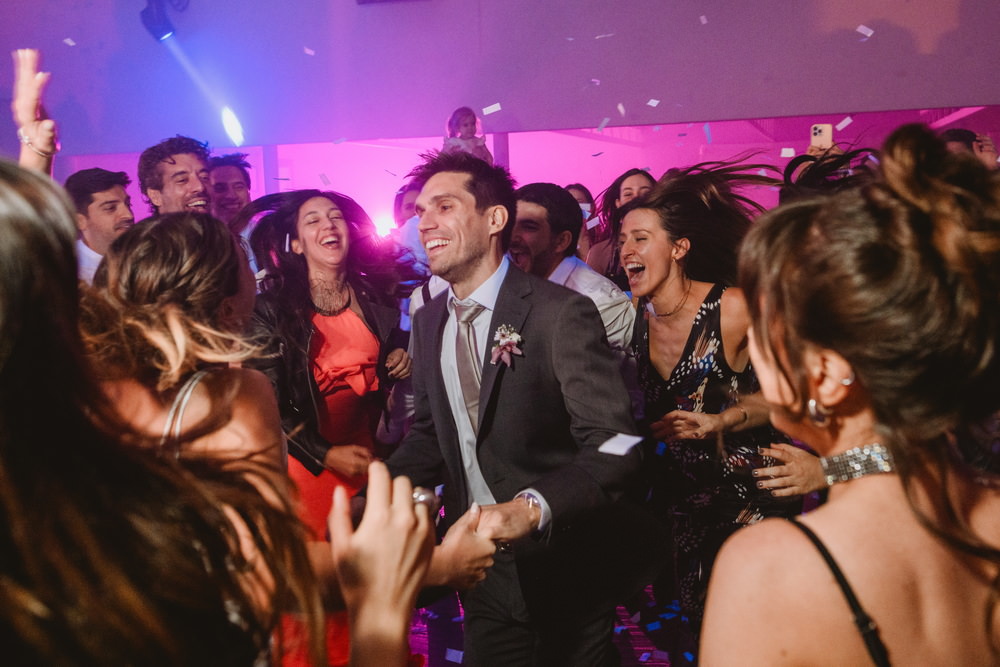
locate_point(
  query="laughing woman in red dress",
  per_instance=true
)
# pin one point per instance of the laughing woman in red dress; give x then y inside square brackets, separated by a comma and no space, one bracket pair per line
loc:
[329,319]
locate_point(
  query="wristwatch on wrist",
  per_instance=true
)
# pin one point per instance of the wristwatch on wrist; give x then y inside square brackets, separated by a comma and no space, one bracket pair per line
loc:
[532,501]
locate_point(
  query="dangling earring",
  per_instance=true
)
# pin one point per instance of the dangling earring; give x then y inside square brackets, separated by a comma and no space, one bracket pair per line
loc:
[849,380]
[287,241]
[817,412]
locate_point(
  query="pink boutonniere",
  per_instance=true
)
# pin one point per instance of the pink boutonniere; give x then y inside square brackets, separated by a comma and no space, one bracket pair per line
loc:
[505,343]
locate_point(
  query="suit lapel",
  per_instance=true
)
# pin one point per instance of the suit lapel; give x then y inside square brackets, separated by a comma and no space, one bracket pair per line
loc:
[511,309]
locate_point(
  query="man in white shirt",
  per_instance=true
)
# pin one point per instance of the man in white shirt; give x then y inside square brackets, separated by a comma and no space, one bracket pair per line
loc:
[103,213]
[546,233]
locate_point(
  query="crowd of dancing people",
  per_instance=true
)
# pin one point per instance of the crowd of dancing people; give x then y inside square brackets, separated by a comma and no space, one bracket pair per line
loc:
[253,431]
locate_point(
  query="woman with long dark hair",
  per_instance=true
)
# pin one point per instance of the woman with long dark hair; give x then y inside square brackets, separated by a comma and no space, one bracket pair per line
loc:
[678,249]
[875,334]
[328,323]
[603,256]
[117,551]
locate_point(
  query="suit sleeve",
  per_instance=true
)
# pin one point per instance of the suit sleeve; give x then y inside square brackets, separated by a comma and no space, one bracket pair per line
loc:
[595,397]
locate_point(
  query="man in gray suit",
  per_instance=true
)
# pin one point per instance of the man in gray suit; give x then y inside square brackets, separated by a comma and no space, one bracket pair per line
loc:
[516,391]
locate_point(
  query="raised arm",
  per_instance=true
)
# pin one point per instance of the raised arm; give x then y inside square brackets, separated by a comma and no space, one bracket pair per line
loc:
[36,132]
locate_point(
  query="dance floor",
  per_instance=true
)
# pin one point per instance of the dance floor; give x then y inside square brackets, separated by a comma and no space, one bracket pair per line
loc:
[634,646]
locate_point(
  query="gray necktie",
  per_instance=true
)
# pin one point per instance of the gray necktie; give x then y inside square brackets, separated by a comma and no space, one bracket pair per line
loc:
[470,372]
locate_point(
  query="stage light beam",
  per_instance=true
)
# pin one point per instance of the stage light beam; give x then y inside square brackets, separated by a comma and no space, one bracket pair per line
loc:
[232,125]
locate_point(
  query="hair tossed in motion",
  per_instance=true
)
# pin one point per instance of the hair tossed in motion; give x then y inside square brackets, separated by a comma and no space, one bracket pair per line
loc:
[490,185]
[160,306]
[384,269]
[112,553]
[809,175]
[703,204]
[901,277]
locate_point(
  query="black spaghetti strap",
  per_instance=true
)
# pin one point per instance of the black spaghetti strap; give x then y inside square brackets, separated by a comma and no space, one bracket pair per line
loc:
[864,622]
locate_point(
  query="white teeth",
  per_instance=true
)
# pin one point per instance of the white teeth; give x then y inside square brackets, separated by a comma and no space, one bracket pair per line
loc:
[634,266]
[198,202]
[430,245]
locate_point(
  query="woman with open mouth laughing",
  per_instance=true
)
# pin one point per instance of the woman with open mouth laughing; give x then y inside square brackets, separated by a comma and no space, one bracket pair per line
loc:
[328,319]
[678,250]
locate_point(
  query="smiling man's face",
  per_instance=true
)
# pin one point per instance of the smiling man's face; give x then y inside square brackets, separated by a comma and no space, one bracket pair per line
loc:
[185,185]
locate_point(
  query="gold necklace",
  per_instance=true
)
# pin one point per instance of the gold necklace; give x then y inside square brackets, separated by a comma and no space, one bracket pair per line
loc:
[676,309]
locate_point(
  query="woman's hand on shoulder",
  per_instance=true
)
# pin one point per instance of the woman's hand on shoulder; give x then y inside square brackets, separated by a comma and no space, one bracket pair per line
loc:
[399,364]
[798,471]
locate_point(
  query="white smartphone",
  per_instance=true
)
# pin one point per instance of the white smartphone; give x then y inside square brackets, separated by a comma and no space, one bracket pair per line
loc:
[821,136]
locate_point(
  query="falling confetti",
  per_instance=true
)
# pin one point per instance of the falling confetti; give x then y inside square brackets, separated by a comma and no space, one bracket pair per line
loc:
[597,154]
[453,655]
[391,173]
[308,51]
[621,109]
[569,39]
[603,124]
[324,180]
[865,30]
[280,178]
[708,132]
[610,34]
[493,108]
[653,102]
[593,222]
[69,42]
[844,123]
[704,19]
[645,656]
[787,152]
[655,625]
[595,82]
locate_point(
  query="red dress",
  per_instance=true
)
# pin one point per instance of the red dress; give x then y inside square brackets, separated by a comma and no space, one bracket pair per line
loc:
[344,355]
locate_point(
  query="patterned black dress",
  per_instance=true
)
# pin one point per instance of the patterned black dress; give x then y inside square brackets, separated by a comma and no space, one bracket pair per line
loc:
[703,489]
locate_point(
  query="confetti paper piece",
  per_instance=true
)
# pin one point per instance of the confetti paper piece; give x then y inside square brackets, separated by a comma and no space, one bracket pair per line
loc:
[610,34]
[621,109]
[595,82]
[597,154]
[493,108]
[324,180]
[603,124]
[787,152]
[762,172]
[308,51]
[458,619]
[69,42]
[689,656]
[569,39]
[635,619]
[593,222]
[653,102]
[619,444]
[661,448]
[703,19]
[391,173]
[708,132]
[453,655]
[655,625]
[682,134]
[340,140]
[280,178]
[865,30]
[844,123]
[645,656]
[619,629]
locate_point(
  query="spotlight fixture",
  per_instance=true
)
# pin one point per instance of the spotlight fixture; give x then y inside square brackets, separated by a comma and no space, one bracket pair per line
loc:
[154,17]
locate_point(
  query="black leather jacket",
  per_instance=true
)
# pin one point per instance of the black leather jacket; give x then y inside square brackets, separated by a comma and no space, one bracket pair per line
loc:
[285,361]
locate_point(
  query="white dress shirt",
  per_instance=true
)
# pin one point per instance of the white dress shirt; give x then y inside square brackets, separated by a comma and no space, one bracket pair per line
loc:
[87,261]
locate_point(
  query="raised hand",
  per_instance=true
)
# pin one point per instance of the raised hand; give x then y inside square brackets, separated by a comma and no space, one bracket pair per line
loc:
[35,130]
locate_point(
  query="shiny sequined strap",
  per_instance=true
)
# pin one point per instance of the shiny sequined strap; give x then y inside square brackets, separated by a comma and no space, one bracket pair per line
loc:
[172,429]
